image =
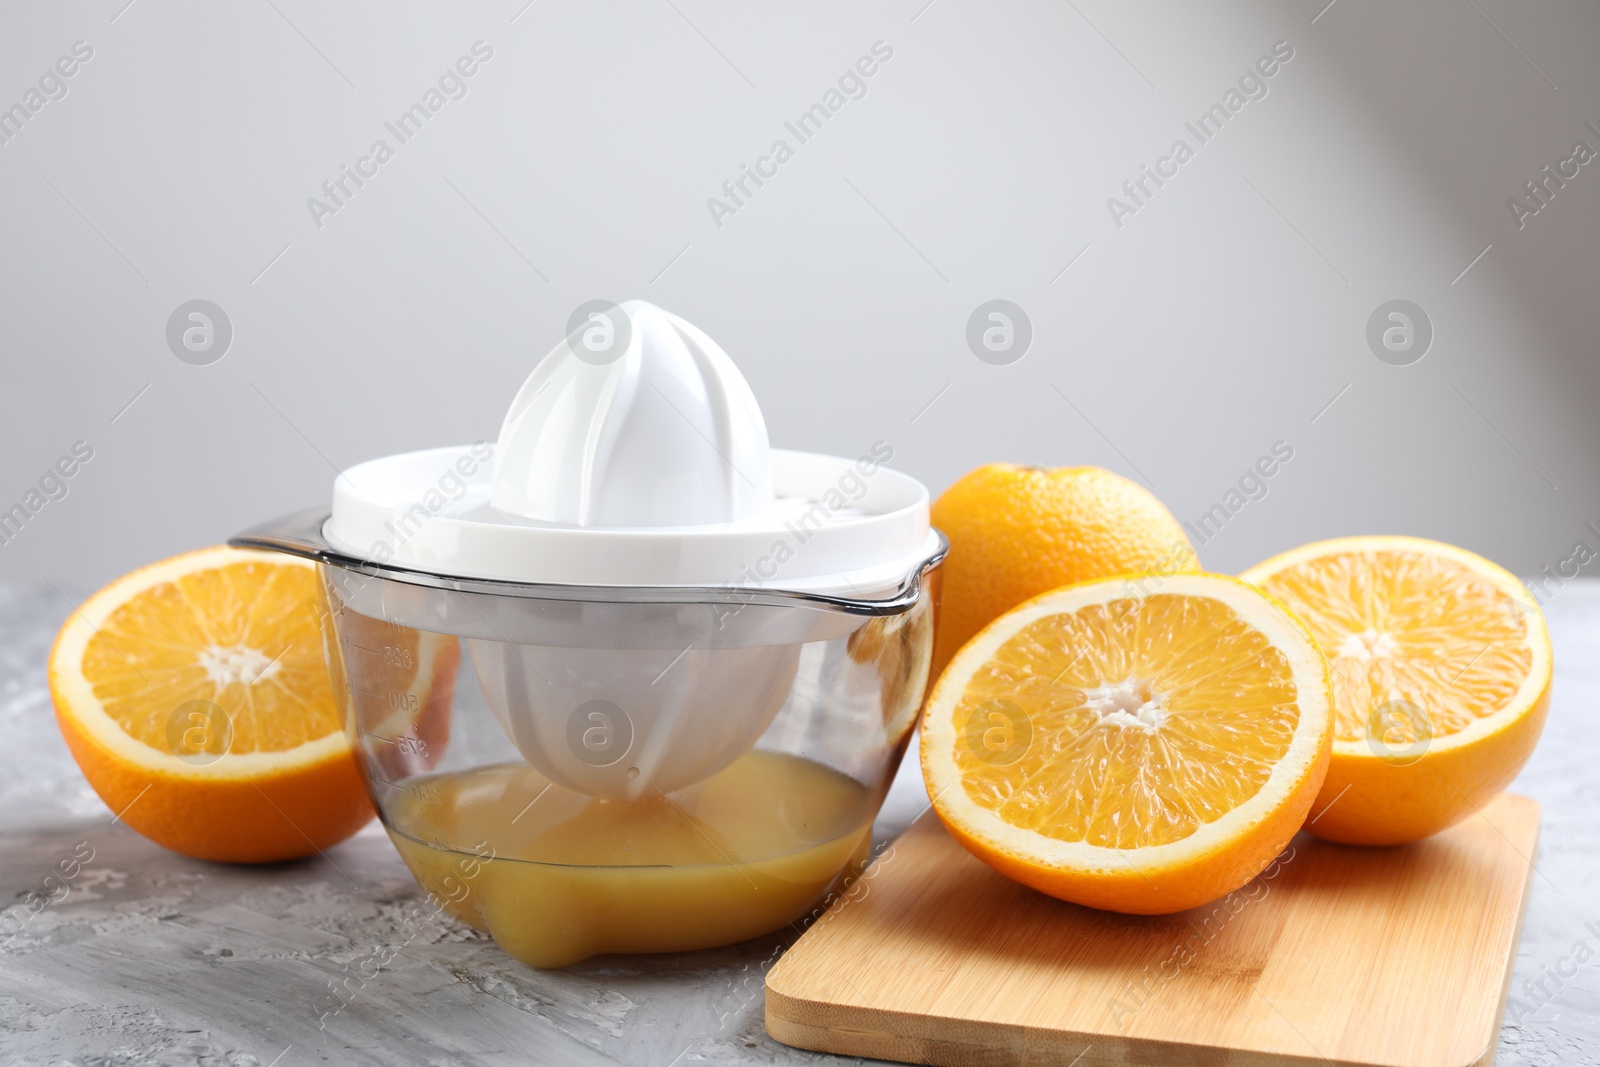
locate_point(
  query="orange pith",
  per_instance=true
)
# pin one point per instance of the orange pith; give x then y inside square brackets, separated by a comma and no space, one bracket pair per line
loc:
[1441,677]
[1138,751]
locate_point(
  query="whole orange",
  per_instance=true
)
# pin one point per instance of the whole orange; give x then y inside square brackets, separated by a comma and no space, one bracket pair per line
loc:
[1016,532]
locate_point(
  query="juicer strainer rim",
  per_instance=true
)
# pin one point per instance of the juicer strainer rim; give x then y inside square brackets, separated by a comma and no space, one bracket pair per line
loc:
[301,534]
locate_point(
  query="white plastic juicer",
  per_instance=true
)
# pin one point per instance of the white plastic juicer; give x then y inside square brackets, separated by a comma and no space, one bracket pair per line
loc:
[646,591]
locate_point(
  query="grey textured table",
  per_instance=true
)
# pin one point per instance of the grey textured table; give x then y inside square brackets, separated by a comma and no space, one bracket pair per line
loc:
[157,959]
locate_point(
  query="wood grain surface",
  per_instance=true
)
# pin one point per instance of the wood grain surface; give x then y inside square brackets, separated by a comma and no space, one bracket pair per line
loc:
[1334,954]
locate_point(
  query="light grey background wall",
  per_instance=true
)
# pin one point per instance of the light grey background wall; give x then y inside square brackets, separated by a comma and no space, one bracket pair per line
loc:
[1228,313]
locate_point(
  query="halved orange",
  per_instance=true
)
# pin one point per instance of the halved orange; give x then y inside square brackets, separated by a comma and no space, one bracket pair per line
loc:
[194,696]
[1441,668]
[1138,744]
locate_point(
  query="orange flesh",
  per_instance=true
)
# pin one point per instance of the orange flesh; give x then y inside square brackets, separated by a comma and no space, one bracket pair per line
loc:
[243,636]
[1149,718]
[1413,627]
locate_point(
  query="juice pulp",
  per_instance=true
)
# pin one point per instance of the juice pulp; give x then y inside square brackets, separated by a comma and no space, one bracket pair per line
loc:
[555,876]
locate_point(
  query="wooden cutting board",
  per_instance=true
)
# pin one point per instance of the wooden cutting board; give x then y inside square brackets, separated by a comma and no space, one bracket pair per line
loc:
[1348,956]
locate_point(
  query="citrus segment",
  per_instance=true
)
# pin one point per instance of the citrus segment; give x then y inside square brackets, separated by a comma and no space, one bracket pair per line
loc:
[242,635]
[1139,751]
[1441,668]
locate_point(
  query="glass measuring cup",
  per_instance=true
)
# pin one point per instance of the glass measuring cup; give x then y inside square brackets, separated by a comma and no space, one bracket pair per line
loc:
[572,839]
